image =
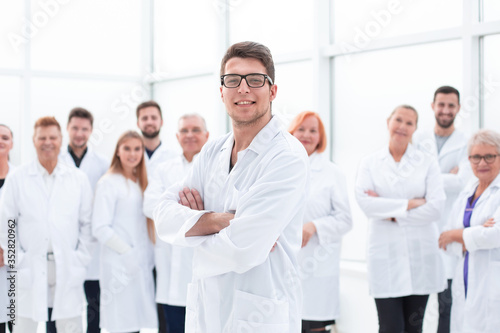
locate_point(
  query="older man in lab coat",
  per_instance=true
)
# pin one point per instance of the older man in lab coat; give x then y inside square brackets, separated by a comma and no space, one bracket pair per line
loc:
[241,209]
[174,263]
[51,204]
[450,147]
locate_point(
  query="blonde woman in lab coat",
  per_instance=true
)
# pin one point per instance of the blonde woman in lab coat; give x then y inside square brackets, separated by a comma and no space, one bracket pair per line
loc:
[127,290]
[400,190]
[327,218]
[473,236]
[6,144]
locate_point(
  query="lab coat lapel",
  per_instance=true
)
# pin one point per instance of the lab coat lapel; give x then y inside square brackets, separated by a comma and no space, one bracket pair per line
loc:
[453,143]
[390,169]
[38,179]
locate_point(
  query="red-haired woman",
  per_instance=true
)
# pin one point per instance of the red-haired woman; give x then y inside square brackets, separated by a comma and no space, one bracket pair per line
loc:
[127,289]
[327,218]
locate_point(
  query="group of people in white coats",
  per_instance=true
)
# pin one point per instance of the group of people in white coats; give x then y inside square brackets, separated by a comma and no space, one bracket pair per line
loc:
[420,195]
[118,278]
[247,230]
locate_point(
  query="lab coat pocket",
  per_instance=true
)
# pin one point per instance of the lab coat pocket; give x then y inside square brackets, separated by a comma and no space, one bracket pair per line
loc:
[327,259]
[24,278]
[253,313]
[493,278]
[77,271]
[492,317]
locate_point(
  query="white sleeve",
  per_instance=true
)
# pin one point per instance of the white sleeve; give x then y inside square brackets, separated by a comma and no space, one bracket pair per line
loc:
[153,192]
[173,220]
[332,227]
[262,213]
[9,212]
[454,183]
[376,207]
[435,198]
[454,221]
[483,238]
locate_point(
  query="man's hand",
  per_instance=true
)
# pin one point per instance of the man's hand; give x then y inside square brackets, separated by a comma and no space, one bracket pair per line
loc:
[451,236]
[414,203]
[371,193]
[209,224]
[489,223]
[308,230]
[454,170]
[191,198]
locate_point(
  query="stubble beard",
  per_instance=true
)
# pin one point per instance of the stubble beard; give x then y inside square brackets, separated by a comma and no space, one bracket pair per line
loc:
[252,122]
[150,135]
[445,124]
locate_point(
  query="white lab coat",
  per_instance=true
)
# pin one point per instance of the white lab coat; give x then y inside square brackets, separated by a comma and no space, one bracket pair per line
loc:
[238,284]
[161,154]
[64,219]
[173,263]
[126,280]
[452,154]
[4,284]
[327,206]
[403,256]
[95,166]
[480,312]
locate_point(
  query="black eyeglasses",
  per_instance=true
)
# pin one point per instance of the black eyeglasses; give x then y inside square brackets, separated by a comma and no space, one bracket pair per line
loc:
[254,80]
[488,158]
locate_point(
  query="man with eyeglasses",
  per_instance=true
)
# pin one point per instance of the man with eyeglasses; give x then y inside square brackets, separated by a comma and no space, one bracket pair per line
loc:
[449,145]
[241,208]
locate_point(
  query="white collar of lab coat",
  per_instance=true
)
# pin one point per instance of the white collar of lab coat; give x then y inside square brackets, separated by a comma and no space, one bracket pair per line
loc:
[37,168]
[316,161]
[261,141]
[455,141]
[471,187]
[386,154]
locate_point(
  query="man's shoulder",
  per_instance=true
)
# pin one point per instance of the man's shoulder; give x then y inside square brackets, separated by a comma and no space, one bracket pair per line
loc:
[98,157]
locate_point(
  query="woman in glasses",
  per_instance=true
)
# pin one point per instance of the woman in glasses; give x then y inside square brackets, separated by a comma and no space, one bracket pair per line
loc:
[5,168]
[127,289]
[400,190]
[327,218]
[474,237]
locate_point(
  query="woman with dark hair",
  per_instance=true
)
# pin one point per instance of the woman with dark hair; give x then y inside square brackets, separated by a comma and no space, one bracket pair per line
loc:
[127,289]
[6,144]
[327,218]
[400,190]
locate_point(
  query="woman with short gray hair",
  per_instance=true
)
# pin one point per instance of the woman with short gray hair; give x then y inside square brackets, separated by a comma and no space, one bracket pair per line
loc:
[474,236]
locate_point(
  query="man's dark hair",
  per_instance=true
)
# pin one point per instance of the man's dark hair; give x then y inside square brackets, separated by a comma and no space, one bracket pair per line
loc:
[250,50]
[447,90]
[146,105]
[79,112]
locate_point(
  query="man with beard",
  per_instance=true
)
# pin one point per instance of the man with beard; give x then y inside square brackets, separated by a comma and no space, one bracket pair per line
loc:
[150,121]
[449,145]
[94,165]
